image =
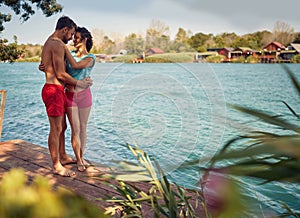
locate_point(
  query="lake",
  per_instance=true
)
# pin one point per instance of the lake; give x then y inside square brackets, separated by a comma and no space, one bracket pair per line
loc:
[175,112]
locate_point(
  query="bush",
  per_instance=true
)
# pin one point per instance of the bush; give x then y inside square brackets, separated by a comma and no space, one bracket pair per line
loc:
[296,59]
[215,59]
[170,58]
[252,60]
[124,58]
[240,59]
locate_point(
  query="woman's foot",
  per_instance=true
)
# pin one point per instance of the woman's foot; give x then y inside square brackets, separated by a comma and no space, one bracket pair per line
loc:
[86,163]
[80,166]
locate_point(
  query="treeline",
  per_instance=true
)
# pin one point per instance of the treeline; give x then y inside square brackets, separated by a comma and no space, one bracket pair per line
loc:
[157,36]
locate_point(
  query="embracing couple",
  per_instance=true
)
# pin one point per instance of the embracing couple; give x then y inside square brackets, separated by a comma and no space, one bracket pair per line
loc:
[67,91]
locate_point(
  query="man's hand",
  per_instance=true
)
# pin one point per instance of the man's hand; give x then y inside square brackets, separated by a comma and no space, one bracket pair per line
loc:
[84,83]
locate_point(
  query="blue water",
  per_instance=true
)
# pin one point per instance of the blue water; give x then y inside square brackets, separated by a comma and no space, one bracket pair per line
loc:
[175,112]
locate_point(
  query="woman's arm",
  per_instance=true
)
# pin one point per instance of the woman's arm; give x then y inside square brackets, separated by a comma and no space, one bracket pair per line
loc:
[86,62]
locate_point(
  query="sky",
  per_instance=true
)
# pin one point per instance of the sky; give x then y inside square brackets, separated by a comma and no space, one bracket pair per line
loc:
[122,17]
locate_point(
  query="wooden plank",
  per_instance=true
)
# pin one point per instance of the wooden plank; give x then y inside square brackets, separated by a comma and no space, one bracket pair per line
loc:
[2,106]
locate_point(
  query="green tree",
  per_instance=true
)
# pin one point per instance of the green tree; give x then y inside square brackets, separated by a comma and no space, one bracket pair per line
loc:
[198,41]
[180,44]
[219,41]
[9,51]
[297,38]
[107,45]
[181,36]
[260,39]
[134,44]
[158,35]
[24,9]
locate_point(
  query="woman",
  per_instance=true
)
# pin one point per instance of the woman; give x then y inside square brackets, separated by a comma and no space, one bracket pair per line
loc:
[79,101]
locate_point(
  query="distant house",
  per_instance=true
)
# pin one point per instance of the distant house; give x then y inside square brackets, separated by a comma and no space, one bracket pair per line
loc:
[230,54]
[292,50]
[295,46]
[152,51]
[199,57]
[214,49]
[271,52]
[123,52]
[226,52]
[246,51]
[274,46]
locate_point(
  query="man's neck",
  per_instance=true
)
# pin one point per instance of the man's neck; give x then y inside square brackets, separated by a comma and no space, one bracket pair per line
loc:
[56,35]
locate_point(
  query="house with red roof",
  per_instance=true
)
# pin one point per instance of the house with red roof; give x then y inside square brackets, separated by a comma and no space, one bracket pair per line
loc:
[152,51]
[274,46]
[271,51]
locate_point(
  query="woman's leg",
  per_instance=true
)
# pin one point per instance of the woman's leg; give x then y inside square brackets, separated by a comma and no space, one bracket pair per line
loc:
[73,116]
[84,114]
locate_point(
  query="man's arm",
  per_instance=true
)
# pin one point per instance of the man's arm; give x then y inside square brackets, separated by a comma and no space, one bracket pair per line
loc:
[58,54]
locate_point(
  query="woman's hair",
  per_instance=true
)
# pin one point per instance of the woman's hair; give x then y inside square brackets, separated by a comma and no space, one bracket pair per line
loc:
[86,34]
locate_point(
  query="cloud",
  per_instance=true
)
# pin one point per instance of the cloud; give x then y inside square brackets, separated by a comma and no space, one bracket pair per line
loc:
[104,6]
[246,14]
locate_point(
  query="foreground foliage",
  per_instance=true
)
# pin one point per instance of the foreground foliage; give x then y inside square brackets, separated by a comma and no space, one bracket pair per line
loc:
[18,199]
[164,199]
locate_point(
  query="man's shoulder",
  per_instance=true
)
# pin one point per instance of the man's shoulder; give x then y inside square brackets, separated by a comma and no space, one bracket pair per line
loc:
[54,42]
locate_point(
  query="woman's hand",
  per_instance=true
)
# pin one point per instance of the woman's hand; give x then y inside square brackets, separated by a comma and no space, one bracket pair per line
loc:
[42,67]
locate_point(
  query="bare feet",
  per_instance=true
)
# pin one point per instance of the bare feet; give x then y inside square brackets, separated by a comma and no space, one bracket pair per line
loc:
[61,171]
[86,163]
[80,166]
[67,160]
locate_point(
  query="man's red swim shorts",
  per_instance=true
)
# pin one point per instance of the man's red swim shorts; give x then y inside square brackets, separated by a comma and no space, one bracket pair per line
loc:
[54,99]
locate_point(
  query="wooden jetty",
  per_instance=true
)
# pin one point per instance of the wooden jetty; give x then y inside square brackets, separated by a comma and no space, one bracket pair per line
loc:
[2,106]
[35,160]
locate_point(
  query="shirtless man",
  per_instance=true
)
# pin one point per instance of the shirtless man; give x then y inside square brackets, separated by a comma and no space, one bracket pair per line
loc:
[53,95]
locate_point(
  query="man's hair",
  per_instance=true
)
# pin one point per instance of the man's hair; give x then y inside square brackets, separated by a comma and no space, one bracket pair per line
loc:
[65,22]
[86,34]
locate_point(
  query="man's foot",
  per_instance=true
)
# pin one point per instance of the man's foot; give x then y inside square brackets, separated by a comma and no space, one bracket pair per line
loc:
[64,172]
[67,160]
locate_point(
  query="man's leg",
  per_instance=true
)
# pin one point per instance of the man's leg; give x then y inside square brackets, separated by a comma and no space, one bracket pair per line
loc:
[56,129]
[64,158]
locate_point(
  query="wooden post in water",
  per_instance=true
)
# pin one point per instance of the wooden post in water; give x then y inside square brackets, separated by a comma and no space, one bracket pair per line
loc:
[2,105]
